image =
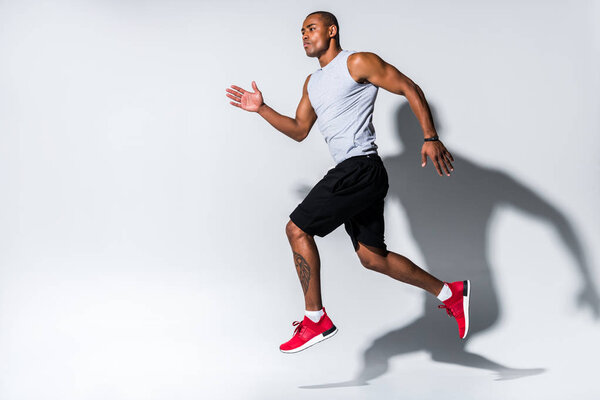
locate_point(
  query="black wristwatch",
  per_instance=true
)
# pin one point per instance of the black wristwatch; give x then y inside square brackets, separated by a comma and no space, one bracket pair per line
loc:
[432,139]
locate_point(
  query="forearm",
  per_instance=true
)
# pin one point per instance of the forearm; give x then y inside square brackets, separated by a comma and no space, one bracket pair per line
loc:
[419,106]
[286,125]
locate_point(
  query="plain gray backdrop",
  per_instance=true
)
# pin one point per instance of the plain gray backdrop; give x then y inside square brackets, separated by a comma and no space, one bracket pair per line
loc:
[142,217]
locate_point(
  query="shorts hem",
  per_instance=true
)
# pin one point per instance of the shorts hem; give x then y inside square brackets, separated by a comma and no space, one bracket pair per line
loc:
[381,246]
[302,226]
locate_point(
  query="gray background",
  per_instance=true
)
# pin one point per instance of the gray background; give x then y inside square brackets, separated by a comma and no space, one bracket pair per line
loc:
[142,245]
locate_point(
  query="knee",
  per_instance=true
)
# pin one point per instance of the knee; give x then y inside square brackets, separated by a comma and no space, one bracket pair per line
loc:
[293,232]
[374,264]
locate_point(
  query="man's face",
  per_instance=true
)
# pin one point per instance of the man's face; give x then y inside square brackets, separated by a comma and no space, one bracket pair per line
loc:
[315,36]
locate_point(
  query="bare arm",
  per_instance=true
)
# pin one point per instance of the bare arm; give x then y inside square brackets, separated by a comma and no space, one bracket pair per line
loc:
[296,128]
[370,67]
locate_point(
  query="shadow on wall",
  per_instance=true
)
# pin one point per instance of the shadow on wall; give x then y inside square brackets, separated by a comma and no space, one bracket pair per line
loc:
[448,218]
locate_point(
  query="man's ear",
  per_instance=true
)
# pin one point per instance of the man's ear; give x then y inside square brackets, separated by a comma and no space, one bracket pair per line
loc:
[332,30]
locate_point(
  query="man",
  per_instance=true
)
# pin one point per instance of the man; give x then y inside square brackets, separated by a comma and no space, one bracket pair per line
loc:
[340,96]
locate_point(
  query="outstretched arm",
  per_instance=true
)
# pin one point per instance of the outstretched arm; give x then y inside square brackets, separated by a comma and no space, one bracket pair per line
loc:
[370,67]
[296,128]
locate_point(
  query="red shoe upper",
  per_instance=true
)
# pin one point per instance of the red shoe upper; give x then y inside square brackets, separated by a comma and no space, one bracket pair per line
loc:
[454,305]
[306,330]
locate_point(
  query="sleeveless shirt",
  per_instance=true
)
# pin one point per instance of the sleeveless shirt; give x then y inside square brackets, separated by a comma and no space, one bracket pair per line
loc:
[344,109]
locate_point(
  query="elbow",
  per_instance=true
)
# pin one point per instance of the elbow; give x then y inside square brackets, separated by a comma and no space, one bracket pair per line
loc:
[417,89]
[302,136]
[411,89]
[301,132]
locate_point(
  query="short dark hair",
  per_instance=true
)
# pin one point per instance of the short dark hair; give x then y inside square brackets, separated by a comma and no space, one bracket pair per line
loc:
[329,19]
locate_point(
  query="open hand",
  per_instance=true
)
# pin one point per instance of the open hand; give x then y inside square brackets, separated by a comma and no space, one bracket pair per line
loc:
[249,101]
[439,156]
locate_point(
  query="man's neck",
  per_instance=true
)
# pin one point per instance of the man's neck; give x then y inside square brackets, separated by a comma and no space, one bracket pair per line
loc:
[329,55]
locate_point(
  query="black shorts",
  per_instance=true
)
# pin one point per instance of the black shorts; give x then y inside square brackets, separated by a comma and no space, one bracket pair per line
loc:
[351,193]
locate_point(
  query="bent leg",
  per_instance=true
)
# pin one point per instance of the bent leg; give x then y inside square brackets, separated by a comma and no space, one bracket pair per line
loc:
[308,265]
[397,267]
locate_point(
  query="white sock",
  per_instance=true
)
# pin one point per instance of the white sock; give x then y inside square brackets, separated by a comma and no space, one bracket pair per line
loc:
[315,316]
[445,293]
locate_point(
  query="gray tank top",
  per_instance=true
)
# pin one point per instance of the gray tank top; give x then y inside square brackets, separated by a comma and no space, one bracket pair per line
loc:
[344,109]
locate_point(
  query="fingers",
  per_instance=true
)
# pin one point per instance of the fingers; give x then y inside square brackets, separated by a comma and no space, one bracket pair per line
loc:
[233,95]
[236,102]
[437,166]
[440,157]
[447,160]
[239,89]
[442,162]
[236,94]
[255,87]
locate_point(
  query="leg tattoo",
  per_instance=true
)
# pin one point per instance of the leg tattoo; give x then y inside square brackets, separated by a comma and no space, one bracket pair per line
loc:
[303,270]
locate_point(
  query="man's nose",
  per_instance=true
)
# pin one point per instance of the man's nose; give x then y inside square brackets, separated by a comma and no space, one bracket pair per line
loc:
[305,36]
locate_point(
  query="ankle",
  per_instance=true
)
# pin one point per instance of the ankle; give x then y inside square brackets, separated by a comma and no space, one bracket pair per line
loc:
[314,316]
[445,293]
[313,305]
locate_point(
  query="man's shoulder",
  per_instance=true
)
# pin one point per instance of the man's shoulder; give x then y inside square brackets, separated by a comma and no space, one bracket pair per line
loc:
[362,64]
[363,57]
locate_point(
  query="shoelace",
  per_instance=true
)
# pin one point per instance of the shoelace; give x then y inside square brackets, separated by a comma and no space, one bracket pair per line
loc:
[448,310]
[299,327]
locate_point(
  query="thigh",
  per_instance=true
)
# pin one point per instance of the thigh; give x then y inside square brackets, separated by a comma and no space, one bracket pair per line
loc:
[345,191]
[323,210]
[367,227]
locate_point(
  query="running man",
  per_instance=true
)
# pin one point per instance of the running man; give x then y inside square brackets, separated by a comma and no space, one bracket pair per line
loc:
[340,96]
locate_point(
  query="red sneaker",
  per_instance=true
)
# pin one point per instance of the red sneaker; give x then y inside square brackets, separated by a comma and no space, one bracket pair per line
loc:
[308,333]
[457,305]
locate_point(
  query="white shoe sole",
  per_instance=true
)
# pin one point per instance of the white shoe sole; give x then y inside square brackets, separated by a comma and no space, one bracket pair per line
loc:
[466,297]
[313,341]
